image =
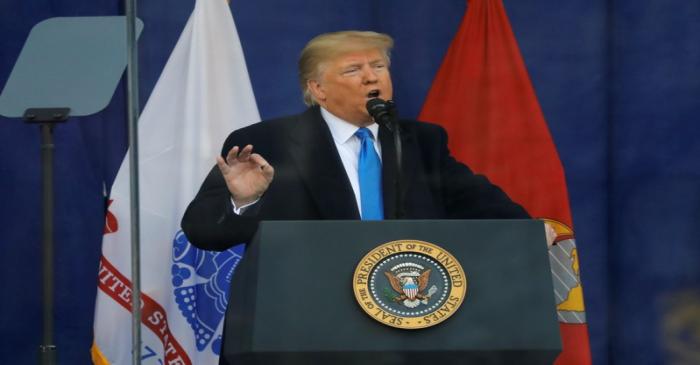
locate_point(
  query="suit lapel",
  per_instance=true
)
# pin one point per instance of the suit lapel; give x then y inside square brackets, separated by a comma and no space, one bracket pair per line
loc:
[319,165]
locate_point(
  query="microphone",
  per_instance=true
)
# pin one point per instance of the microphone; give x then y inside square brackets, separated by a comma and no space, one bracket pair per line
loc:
[385,114]
[381,111]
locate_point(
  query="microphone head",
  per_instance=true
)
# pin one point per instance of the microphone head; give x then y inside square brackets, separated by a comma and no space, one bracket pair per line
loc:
[380,110]
[374,104]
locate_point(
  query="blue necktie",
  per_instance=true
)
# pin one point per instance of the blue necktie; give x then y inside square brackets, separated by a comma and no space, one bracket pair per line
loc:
[369,170]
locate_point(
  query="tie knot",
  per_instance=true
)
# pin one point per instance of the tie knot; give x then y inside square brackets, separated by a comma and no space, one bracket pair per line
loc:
[364,133]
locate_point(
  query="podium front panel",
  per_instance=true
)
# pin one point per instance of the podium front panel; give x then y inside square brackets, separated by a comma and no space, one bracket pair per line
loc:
[300,274]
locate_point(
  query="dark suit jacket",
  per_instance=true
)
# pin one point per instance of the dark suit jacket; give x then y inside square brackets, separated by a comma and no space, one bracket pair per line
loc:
[310,181]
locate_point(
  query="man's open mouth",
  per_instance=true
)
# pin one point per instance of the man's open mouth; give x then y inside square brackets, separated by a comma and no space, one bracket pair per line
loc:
[373,94]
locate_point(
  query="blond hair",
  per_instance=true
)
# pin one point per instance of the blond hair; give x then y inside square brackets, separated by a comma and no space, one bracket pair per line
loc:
[328,46]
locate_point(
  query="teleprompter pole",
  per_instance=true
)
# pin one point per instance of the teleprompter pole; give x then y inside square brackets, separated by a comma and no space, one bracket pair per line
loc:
[47,349]
[47,117]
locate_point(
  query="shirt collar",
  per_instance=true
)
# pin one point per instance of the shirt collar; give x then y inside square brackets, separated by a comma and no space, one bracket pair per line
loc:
[342,130]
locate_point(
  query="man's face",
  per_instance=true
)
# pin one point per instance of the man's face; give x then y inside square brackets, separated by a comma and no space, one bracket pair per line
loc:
[349,80]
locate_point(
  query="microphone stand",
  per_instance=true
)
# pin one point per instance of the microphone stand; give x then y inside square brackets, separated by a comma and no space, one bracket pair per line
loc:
[395,129]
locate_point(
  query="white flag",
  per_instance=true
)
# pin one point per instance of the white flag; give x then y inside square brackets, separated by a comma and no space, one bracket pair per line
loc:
[203,94]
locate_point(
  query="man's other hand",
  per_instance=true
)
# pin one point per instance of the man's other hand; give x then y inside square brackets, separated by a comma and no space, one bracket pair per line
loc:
[550,233]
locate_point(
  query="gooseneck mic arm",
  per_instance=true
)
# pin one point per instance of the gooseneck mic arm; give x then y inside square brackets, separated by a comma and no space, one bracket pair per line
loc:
[385,114]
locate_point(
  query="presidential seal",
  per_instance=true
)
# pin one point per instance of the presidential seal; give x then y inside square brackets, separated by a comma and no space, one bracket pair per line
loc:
[409,284]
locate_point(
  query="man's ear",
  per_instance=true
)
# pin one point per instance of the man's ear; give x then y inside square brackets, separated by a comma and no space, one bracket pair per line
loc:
[316,90]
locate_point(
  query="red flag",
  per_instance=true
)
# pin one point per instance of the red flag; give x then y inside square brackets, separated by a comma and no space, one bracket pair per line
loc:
[483,97]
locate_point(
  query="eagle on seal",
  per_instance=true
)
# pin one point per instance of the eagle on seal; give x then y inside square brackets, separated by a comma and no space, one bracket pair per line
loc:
[409,288]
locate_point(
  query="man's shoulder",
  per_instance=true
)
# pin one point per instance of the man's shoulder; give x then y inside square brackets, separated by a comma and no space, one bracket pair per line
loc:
[422,129]
[269,125]
[270,132]
[278,123]
[268,128]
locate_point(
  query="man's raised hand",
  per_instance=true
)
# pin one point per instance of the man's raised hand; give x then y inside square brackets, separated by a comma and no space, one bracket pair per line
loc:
[247,174]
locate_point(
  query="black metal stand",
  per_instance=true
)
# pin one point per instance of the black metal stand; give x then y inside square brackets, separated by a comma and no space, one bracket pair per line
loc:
[400,214]
[395,128]
[47,117]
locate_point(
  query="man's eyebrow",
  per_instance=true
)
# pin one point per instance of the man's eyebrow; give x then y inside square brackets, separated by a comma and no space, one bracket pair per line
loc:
[352,64]
[359,63]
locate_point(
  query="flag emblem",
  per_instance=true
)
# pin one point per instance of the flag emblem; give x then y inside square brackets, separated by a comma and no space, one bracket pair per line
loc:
[201,281]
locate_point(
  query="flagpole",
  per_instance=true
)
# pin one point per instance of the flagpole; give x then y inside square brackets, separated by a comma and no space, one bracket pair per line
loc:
[133,116]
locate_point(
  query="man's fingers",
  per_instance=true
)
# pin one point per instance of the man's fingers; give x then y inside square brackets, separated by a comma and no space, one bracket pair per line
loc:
[247,159]
[259,160]
[223,167]
[231,155]
[266,168]
[235,154]
[245,153]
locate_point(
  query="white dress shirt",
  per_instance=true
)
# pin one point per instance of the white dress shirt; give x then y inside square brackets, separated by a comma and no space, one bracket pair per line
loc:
[348,146]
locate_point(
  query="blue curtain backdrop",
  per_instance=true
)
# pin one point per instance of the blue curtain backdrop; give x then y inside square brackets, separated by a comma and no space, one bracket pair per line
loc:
[618,81]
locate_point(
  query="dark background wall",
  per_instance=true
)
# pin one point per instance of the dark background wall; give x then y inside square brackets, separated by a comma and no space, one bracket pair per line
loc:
[618,81]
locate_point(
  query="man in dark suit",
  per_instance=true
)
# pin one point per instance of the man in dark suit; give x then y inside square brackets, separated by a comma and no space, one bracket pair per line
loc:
[306,166]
